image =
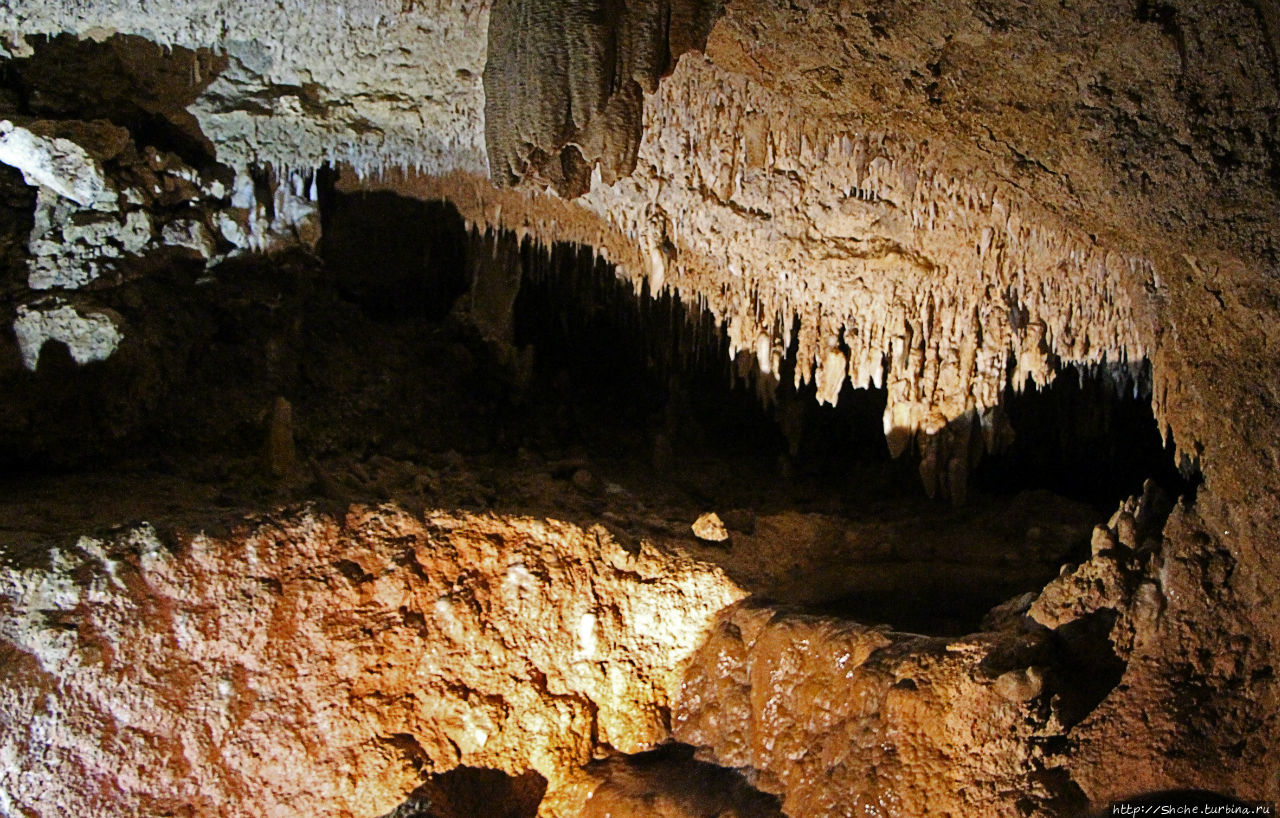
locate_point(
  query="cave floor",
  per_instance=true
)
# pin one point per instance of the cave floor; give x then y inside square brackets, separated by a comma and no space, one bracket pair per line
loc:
[909,562]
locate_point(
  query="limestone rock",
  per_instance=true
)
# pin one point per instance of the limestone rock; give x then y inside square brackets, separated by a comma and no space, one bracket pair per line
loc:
[88,336]
[58,164]
[320,665]
[836,717]
[191,234]
[870,188]
[710,528]
[1020,685]
[555,106]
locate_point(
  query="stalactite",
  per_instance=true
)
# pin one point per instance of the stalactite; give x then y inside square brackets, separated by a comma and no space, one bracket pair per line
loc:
[878,263]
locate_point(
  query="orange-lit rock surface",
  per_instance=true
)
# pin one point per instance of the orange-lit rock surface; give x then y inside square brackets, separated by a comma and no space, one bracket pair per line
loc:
[311,665]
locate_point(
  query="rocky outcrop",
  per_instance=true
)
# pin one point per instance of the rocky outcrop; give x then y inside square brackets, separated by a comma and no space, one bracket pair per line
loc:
[53,162]
[1033,714]
[842,719]
[108,209]
[321,665]
[381,84]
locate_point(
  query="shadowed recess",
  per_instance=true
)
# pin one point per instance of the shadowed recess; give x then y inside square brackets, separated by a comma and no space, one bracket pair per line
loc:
[470,792]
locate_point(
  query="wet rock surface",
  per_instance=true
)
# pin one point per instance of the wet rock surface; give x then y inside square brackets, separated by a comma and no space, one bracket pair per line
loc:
[844,719]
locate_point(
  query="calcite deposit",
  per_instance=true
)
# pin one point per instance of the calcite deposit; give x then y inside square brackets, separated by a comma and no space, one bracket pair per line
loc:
[860,254]
[565,84]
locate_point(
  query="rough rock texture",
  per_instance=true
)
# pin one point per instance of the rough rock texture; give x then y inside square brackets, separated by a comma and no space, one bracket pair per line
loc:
[88,337]
[842,719]
[936,197]
[52,162]
[871,256]
[379,84]
[564,83]
[315,665]
[104,199]
[1194,676]
[1138,133]
[109,209]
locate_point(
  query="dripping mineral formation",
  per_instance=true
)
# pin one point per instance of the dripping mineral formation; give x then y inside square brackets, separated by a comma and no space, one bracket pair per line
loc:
[673,408]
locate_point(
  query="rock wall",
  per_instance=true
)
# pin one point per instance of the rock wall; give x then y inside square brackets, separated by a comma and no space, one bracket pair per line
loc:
[332,664]
[373,85]
[564,83]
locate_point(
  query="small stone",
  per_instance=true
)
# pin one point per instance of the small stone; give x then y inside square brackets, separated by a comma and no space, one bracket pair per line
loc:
[189,234]
[89,337]
[1020,685]
[710,528]
[586,482]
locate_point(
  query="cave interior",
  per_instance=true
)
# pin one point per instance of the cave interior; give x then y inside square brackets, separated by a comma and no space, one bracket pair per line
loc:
[428,414]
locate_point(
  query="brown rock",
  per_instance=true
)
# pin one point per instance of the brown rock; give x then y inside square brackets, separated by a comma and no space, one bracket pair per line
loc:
[1020,685]
[308,665]
[710,528]
[832,715]
[280,451]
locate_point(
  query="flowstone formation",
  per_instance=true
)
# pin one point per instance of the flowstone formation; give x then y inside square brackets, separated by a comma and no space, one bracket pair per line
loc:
[554,109]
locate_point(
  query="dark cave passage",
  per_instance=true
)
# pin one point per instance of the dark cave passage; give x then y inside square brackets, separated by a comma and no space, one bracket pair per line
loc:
[1088,435]
[468,792]
[643,389]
